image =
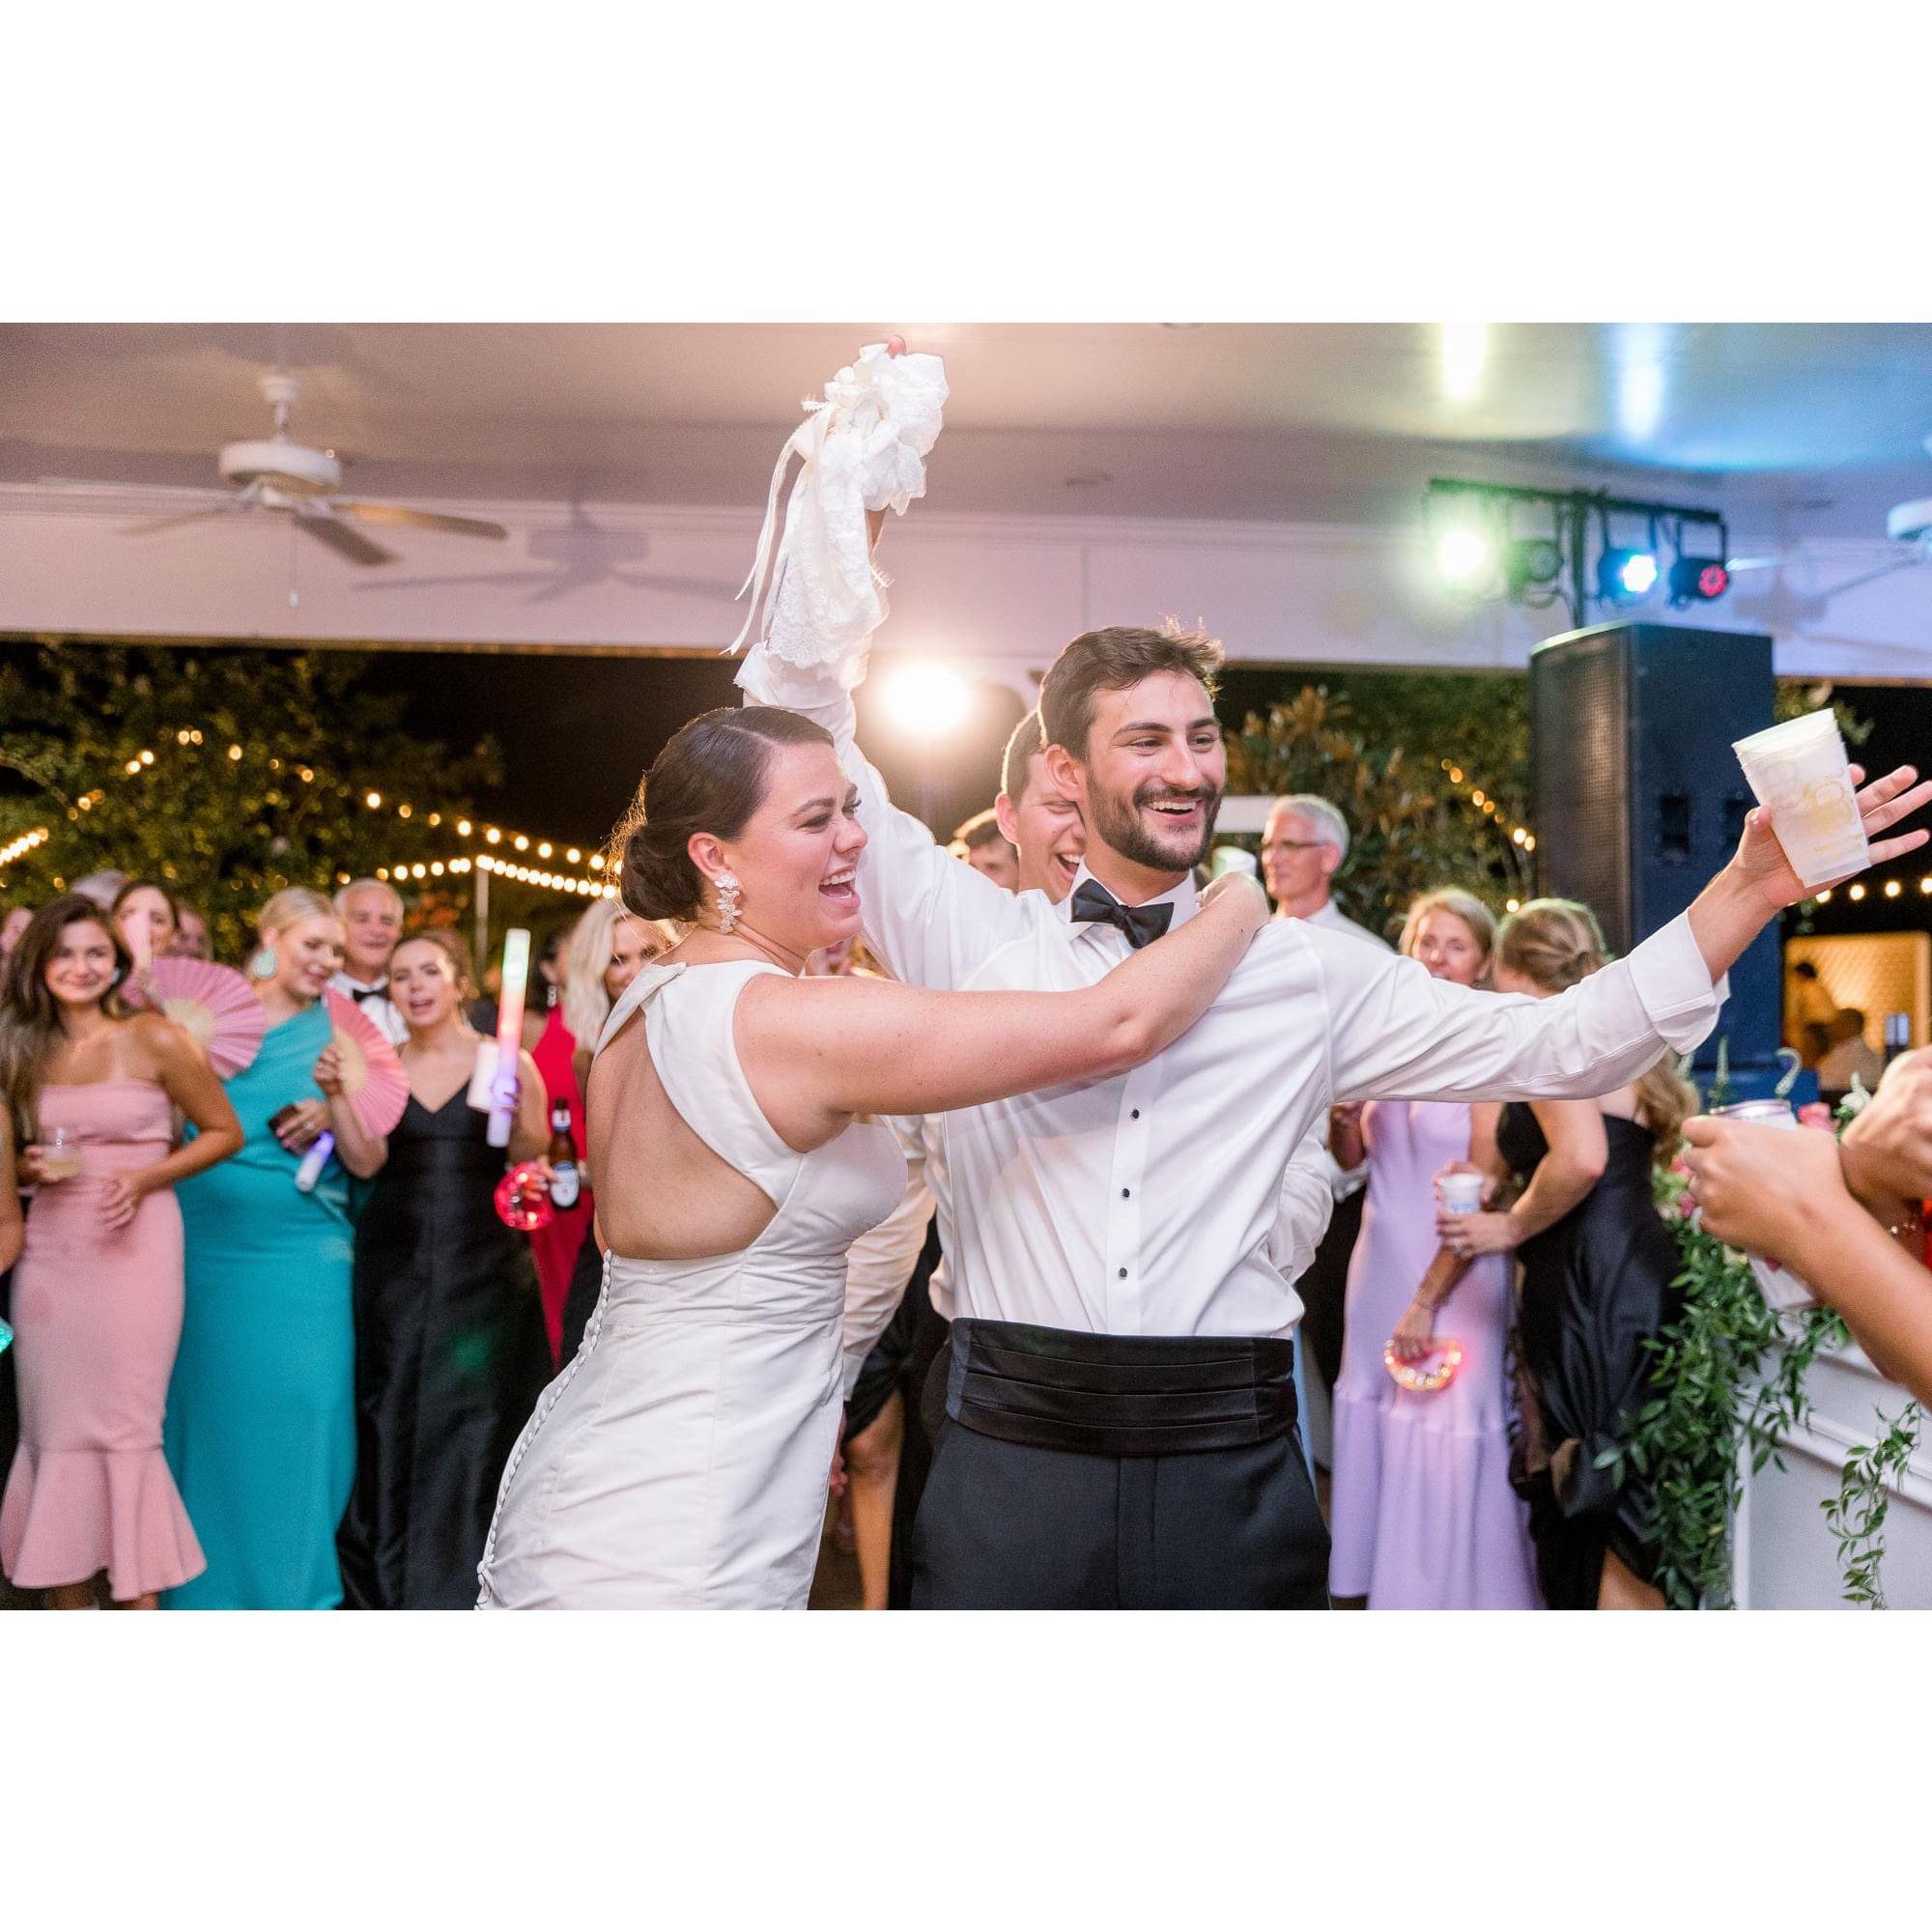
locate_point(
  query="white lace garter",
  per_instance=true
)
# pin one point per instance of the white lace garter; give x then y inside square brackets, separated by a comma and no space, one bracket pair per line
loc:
[864,447]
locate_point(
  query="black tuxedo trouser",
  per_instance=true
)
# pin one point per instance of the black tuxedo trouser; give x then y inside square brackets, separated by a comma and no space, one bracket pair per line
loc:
[1014,1524]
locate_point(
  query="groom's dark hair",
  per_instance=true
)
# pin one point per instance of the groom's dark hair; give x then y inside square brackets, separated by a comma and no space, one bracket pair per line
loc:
[1111,660]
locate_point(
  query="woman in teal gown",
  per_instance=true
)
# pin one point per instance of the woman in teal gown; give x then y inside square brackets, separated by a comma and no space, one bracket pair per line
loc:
[261,1418]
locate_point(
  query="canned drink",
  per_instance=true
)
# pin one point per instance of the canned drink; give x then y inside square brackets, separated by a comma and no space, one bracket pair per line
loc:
[1766,1112]
[1782,1291]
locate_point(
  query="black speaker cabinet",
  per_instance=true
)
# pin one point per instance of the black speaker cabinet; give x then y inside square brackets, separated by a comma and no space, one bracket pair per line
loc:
[1638,797]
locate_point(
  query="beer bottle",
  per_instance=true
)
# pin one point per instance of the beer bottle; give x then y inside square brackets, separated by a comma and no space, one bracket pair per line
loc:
[562,1154]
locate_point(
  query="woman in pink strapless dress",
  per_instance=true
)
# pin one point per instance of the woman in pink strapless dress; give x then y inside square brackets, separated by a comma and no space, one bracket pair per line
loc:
[98,1292]
[1421,1513]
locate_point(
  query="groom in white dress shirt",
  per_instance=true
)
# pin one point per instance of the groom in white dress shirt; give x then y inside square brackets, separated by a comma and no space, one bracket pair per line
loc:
[1119,1390]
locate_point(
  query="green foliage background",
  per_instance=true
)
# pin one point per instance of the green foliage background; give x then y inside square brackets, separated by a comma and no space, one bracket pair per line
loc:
[1380,747]
[226,832]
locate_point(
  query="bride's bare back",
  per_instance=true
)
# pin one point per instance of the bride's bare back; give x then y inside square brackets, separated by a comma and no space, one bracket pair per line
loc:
[662,1193]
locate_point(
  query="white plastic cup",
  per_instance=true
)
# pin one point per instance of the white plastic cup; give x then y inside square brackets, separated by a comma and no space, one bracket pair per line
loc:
[1781,1290]
[1461,1193]
[1800,770]
[60,1154]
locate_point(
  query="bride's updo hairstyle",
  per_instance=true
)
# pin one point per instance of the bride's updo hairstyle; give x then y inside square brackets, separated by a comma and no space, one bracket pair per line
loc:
[710,778]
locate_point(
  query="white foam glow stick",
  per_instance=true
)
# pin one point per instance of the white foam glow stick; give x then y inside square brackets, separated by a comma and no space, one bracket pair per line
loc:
[509,1033]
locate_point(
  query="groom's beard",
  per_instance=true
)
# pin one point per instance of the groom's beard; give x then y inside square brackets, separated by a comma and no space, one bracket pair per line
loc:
[1124,826]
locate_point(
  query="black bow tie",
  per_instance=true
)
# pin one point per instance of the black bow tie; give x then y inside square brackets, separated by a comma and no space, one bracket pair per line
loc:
[1142,923]
[360,993]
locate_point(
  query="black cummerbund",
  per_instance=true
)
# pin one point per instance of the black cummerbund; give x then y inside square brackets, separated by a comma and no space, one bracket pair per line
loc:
[1119,1395]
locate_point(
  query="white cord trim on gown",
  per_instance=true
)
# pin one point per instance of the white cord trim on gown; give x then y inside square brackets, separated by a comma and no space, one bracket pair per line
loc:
[864,447]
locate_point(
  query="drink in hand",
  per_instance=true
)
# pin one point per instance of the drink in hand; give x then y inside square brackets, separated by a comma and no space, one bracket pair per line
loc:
[1799,769]
[60,1156]
[566,1182]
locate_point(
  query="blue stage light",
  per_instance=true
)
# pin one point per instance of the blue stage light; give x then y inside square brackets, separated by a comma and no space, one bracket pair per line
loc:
[1622,576]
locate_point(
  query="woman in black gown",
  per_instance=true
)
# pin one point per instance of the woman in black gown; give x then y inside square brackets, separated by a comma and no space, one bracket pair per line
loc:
[1598,1269]
[450,1350]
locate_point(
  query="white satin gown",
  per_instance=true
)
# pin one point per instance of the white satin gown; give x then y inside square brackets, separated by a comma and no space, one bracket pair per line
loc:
[680,1461]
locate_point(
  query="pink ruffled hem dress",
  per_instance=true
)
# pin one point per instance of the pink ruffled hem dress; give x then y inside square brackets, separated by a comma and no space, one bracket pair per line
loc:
[97,1318]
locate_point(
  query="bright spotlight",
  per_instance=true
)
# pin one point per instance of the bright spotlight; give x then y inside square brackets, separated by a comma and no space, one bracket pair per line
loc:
[927,699]
[1466,348]
[1463,557]
[1622,576]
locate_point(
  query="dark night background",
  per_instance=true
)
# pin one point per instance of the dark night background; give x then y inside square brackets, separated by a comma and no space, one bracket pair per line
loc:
[578,731]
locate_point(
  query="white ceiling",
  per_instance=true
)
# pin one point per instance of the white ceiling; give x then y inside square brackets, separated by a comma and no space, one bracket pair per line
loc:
[1814,429]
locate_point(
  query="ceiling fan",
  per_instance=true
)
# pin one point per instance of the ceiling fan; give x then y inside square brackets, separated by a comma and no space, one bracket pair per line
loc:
[282,475]
[1908,525]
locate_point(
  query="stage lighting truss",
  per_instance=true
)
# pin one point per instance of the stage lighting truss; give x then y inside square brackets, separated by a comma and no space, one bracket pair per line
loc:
[1579,548]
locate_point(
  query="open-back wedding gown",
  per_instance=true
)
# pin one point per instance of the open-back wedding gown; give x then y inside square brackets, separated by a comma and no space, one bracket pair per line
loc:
[680,1461]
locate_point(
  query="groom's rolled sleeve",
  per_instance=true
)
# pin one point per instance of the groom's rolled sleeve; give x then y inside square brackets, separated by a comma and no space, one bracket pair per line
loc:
[1673,985]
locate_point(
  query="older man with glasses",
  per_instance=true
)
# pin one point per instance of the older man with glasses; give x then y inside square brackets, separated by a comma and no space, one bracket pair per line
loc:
[1302,848]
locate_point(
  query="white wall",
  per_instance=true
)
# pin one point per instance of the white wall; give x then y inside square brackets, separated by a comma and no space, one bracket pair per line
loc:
[1004,592]
[1784,1556]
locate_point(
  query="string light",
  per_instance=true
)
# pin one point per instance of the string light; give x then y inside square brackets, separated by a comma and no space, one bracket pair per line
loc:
[550,881]
[372,800]
[1520,836]
[1857,893]
[1825,897]
[24,844]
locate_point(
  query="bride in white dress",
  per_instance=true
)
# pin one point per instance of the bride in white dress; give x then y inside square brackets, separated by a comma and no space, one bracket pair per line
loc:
[681,1460]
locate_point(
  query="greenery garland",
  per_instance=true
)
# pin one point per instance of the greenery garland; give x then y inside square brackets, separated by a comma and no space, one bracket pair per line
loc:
[1725,1373]
[1856,1515]
[1729,1373]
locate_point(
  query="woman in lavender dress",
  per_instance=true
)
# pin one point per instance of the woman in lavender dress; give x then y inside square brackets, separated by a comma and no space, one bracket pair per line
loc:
[1422,1515]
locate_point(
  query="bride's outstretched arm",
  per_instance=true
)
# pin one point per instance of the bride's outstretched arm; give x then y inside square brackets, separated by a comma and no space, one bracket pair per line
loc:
[930,919]
[818,1051]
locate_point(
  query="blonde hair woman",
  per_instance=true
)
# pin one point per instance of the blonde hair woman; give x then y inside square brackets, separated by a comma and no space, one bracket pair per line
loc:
[1423,1516]
[1598,1265]
[260,1420]
[610,947]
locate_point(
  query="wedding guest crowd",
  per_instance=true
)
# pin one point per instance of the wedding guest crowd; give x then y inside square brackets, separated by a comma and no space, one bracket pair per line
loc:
[235,1391]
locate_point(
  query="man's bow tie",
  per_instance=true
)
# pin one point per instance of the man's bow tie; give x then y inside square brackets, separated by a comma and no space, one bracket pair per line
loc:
[1143,924]
[360,993]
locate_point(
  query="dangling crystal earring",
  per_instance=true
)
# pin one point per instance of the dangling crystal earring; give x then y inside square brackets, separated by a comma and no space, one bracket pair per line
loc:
[261,964]
[728,889]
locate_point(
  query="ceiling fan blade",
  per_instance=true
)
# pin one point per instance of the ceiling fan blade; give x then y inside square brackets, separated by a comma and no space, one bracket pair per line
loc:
[156,525]
[108,486]
[400,518]
[340,538]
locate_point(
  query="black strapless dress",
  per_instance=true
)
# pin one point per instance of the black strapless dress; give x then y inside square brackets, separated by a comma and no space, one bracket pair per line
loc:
[1595,1287]
[450,1357]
